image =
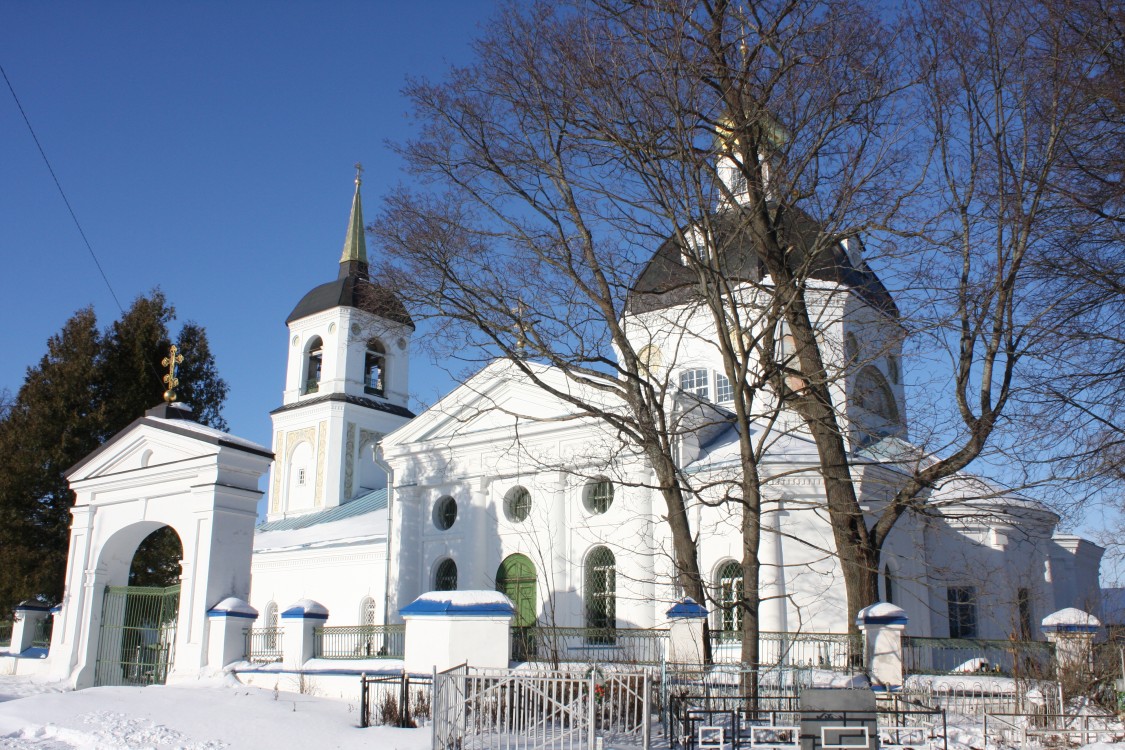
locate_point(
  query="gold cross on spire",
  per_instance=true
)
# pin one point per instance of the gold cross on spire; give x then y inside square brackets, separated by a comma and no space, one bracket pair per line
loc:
[172,362]
[358,173]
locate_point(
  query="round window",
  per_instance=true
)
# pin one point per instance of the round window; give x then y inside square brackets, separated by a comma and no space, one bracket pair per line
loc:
[599,496]
[517,504]
[445,512]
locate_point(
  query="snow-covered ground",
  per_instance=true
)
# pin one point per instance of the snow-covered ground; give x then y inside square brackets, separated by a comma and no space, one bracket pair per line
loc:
[214,715]
[220,715]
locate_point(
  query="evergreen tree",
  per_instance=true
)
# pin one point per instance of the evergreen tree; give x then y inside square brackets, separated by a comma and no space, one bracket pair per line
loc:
[87,387]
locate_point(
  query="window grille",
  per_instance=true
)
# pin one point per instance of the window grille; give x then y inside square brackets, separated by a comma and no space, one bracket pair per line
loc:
[445,577]
[601,593]
[962,611]
[695,381]
[367,611]
[517,504]
[445,513]
[730,597]
[599,496]
[724,391]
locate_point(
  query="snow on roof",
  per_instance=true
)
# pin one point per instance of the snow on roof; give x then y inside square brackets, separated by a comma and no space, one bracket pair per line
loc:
[211,432]
[362,519]
[306,607]
[723,451]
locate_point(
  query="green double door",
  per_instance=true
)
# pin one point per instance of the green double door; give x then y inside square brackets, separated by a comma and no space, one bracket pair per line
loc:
[515,578]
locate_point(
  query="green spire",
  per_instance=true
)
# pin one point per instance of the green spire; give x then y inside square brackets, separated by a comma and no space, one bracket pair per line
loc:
[354,258]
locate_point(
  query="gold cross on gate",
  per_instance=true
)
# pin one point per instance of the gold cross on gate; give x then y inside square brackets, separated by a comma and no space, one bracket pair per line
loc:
[172,361]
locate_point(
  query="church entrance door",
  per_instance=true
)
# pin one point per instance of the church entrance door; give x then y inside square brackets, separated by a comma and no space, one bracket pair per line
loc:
[515,578]
[138,635]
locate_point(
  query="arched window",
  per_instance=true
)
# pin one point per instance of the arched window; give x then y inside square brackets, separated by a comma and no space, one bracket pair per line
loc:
[892,369]
[874,394]
[367,611]
[851,348]
[695,382]
[651,359]
[445,513]
[445,577]
[314,360]
[517,504]
[598,496]
[601,595]
[729,594]
[375,368]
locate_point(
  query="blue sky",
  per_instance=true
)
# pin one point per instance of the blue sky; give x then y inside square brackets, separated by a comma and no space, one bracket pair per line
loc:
[207,149]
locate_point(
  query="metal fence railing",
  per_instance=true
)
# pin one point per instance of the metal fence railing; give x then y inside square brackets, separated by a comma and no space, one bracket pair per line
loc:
[838,652]
[5,633]
[360,642]
[589,645]
[1030,659]
[263,645]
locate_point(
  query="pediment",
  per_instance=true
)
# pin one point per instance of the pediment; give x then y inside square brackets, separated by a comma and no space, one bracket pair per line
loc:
[140,446]
[497,398]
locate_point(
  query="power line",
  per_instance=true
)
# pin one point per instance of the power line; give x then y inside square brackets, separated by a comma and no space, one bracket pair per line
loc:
[61,192]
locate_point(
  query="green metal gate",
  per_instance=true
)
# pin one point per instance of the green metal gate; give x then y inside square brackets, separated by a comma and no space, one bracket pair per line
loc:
[138,635]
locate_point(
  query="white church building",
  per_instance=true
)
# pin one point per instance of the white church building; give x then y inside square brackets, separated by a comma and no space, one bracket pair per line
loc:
[502,486]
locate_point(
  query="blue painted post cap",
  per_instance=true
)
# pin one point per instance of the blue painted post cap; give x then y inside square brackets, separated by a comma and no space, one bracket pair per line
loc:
[460,603]
[687,608]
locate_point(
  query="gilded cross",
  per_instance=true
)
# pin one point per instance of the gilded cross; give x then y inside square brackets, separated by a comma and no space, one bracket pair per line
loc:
[358,173]
[172,362]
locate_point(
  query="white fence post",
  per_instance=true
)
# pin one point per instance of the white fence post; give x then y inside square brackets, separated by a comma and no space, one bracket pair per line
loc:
[685,632]
[1072,632]
[298,622]
[27,617]
[883,624]
[226,641]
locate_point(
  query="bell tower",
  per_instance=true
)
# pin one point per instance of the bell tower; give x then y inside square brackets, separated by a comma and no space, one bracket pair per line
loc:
[346,385]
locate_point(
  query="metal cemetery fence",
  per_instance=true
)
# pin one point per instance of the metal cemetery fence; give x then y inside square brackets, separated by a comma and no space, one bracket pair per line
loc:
[360,642]
[42,636]
[526,710]
[263,645]
[400,700]
[5,633]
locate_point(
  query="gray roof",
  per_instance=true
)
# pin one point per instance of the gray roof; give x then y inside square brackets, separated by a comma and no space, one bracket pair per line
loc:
[352,290]
[372,501]
[666,282]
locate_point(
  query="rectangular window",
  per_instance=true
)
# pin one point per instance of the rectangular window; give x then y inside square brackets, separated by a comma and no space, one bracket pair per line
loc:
[724,391]
[695,381]
[962,611]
